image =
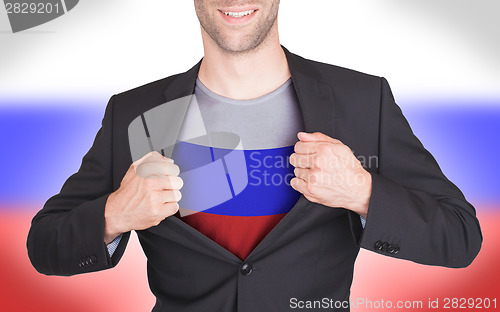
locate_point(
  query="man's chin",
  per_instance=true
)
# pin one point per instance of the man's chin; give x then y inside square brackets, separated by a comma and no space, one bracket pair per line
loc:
[239,46]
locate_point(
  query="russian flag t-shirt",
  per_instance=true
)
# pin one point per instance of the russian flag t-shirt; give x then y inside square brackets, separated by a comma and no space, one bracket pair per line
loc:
[233,156]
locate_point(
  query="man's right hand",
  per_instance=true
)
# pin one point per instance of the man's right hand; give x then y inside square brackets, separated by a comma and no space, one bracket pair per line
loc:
[148,193]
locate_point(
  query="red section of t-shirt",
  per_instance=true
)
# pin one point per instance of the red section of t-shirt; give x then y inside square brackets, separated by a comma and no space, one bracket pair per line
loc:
[239,235]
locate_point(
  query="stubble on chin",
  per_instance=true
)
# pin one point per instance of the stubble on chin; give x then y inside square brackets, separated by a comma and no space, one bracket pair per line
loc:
[246,44]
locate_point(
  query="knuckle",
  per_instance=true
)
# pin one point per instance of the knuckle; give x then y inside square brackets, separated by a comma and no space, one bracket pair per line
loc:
[180,182]
[311,190]
[311,198]
[168,160]
[313,178]
[172,208]
[321,148]
[167,183]
[301,162]
[175,183]
[143,166]
[177,195]
[324,148]
[314,171]
[150,199]
[139,171]
[173,170]
[345,149]
[297,147]
[316,161]
[148,183]
[158,219]
[157,198]
[154,210]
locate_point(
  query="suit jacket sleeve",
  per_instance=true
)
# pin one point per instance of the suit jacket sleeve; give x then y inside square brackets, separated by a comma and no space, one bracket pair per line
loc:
[415,212]
[67,236]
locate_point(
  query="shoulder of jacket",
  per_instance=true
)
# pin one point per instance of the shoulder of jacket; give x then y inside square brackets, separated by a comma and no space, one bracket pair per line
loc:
[154,87]
[338,74]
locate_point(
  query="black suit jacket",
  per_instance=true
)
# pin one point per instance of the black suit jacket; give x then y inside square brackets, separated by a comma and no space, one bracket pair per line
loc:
[415,212]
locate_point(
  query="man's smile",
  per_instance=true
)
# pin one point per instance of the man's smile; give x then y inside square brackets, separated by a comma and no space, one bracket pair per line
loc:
[237,15]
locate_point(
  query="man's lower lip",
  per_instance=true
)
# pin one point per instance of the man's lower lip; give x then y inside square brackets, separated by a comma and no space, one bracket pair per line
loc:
[237,20]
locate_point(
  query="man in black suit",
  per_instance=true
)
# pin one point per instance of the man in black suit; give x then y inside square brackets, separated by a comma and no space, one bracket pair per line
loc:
[412,211]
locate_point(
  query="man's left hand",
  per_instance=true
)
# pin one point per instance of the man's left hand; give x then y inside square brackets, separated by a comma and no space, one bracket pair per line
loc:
[328,173]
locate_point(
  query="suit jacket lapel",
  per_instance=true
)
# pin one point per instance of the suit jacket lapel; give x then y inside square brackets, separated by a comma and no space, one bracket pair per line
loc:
[183,84]
[315,98]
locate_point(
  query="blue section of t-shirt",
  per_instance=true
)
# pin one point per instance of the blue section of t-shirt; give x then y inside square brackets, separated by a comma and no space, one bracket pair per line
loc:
[262,188]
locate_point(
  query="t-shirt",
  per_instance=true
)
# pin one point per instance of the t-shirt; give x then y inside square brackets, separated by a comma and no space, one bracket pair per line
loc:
[234,159]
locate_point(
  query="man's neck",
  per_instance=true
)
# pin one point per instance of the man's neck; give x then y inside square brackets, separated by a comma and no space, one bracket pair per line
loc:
[244,76]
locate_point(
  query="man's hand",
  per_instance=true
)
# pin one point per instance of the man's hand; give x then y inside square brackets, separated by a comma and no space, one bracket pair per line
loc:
[328,173]
[148,193]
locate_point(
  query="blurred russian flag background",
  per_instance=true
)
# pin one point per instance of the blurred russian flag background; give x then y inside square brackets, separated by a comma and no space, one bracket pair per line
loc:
[440,57]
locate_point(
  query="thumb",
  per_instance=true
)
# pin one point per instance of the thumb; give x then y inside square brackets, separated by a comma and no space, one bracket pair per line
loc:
[144,157]
[316,137]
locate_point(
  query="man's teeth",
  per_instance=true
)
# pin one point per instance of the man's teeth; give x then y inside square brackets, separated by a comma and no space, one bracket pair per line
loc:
[239,14]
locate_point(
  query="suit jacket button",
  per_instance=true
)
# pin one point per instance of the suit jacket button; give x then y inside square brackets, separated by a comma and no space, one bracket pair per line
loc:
[384,246]
[378,245]
[93,260]
[396,249]
[246,269]
[390,249]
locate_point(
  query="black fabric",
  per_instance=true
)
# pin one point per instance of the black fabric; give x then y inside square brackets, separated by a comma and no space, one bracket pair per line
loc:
[415,212]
